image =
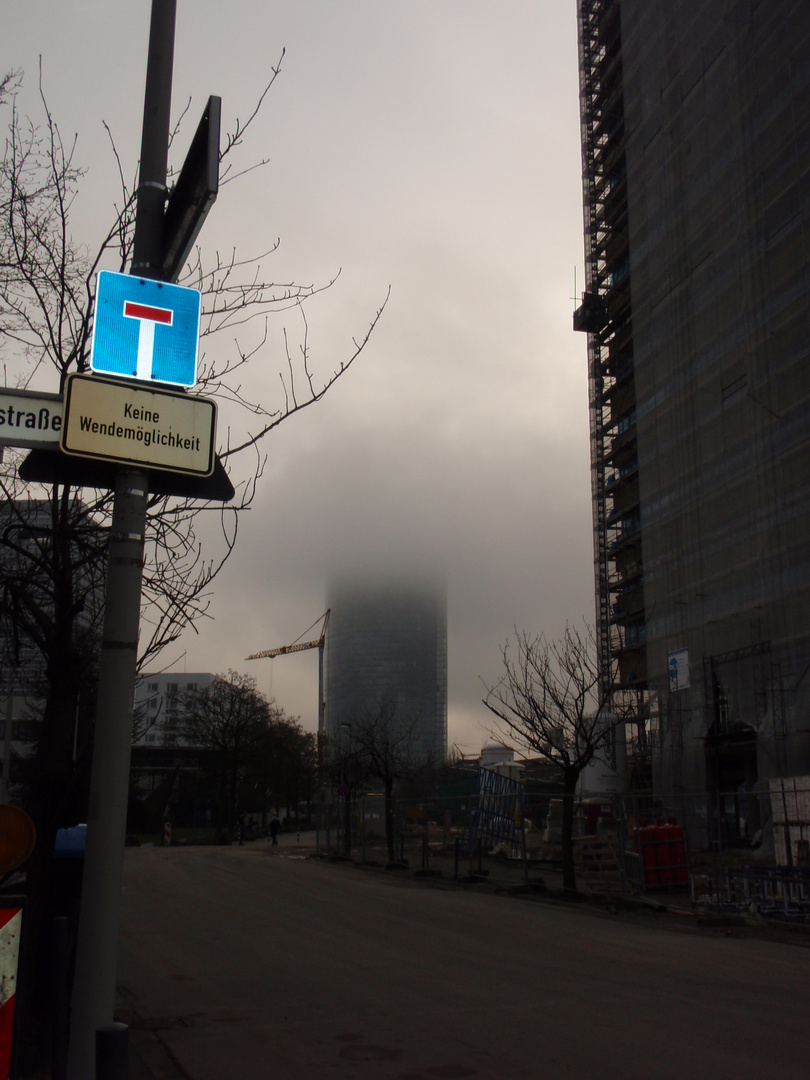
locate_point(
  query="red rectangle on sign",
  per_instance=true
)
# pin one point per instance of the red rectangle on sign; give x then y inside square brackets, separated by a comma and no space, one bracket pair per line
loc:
[142,311]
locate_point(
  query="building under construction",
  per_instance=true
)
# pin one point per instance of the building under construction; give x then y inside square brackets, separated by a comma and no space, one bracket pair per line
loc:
[695,119]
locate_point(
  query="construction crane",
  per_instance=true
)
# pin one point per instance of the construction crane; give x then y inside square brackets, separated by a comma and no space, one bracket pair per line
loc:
[299,646]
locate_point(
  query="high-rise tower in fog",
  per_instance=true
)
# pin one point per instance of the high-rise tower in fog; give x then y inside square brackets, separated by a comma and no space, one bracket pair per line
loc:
[387,646]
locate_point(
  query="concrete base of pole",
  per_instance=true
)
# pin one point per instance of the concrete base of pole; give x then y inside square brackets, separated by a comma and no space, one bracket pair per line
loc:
[61,992]
[112,1052]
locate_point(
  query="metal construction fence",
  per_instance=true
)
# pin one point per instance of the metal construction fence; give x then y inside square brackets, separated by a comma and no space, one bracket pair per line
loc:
[740,850]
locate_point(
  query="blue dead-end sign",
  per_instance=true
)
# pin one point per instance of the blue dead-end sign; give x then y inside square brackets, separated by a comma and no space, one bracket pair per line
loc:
[146,330]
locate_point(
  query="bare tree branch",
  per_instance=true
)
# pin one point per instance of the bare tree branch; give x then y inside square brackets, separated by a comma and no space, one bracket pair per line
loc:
[235,138]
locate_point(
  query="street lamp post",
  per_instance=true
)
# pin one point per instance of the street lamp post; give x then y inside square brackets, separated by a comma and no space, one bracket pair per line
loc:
[344,761]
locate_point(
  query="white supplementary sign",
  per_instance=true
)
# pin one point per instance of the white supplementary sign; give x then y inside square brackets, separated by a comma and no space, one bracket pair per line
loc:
[678,663]
[115,421]
[30,419]
[146,330]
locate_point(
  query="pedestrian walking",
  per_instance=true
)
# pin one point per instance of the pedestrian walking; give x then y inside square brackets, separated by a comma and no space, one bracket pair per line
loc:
[275,825]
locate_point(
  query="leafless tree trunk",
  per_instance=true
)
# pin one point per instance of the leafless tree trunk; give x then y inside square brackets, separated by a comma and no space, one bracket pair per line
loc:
[385,747]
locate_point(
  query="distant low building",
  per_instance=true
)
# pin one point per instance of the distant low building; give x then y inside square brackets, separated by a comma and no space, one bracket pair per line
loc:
[165,769]
[159,706]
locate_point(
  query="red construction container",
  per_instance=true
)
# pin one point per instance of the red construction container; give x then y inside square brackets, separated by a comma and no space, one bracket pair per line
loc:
[663,855]
[645,845]
[677,848]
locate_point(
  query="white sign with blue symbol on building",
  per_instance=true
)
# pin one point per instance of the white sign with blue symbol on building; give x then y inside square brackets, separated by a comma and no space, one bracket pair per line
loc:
[145,330]
[678,664]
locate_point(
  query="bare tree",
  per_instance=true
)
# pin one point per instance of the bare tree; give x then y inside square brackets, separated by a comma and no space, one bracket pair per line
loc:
[384,745]
[283,771]
[548,700]
[232,720]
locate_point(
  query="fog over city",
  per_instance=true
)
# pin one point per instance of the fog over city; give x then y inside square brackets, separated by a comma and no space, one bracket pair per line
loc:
[430,148]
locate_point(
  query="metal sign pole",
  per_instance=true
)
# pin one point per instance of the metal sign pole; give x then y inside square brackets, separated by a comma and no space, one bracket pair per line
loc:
[97,949]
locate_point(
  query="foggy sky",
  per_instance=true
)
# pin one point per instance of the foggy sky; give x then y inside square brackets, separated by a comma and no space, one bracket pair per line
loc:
[432,147]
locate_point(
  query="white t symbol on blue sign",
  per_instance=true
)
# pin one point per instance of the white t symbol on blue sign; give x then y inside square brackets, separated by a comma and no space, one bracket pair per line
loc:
[146,330]
[149,318]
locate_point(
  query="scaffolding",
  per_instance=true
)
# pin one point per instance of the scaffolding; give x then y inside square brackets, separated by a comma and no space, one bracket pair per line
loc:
[605,314]
[498,818]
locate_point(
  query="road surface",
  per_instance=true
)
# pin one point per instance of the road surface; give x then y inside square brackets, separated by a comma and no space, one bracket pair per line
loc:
[254,963]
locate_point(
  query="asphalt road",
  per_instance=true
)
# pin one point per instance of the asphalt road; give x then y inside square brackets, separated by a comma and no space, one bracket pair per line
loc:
[254,964]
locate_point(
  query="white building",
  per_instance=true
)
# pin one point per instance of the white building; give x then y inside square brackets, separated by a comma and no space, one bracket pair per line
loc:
[159,705]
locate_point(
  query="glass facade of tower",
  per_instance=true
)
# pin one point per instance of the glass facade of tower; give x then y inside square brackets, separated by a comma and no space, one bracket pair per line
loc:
[387,646]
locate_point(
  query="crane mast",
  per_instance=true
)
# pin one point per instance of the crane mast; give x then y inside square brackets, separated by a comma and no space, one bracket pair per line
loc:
[300,646]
